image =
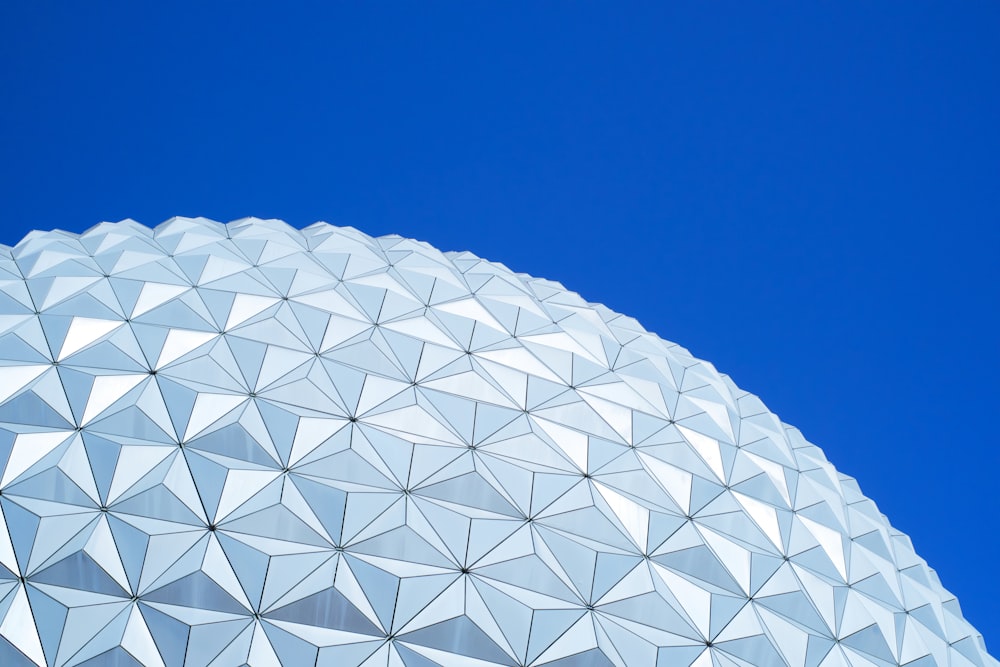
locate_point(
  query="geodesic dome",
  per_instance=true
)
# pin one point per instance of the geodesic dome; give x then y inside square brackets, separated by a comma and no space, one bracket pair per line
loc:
[245,443]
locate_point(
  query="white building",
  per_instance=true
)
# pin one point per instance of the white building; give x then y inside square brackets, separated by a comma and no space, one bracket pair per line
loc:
[244,443]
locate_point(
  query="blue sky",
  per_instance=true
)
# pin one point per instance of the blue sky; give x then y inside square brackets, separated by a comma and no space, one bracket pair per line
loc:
[805,194]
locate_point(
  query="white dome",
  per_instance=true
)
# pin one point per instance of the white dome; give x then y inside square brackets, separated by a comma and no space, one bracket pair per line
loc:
[245,443]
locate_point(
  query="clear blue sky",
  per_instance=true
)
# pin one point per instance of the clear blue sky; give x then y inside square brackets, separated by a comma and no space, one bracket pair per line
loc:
[806,194]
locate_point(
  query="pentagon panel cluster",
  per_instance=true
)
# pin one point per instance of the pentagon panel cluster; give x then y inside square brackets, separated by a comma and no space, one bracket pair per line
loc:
[243,443]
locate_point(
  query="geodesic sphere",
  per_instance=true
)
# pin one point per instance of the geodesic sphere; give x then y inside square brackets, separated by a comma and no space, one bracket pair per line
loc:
[245,443]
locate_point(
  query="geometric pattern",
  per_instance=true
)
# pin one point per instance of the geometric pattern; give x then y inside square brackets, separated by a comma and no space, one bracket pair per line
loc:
[251,444]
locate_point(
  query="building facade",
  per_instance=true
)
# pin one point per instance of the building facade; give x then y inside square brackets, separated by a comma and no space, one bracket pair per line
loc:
[250,444]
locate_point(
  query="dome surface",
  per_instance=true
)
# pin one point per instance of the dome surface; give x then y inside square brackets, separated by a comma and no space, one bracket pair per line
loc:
[250,444]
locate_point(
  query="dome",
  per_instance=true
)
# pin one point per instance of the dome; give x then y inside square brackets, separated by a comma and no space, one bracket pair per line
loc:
[243,443]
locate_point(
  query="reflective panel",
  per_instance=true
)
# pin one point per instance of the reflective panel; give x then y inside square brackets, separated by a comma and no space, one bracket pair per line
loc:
[249,444]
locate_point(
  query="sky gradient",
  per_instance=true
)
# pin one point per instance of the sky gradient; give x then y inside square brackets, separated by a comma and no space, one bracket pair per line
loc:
[805,196]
